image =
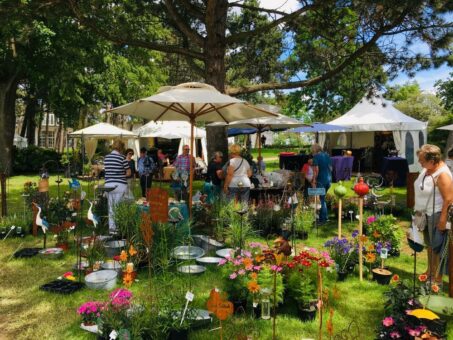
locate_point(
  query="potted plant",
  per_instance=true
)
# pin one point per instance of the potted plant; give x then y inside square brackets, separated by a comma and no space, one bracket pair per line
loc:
[303,290]
[384,229]
[90,312]
[127,219]
[95,253]
[62,238]
[303,221]
[344,253]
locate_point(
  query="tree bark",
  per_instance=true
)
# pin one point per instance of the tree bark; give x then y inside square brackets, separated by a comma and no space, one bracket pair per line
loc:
[215,49]
[29,123]
[8,87]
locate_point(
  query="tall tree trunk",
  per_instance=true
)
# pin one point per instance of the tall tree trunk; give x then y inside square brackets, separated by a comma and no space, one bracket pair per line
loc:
[215,48]
[29,123]
[57,137]
[46,143]
[8,89]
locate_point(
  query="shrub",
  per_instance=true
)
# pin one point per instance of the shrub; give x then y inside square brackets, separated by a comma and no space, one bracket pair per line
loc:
[32,158]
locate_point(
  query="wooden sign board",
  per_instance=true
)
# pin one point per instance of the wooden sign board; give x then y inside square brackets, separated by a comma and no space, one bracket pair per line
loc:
[316,191]
[158,205]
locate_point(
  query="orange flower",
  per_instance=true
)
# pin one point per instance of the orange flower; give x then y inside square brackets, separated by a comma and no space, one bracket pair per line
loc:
[259,258]
[370,247]
[370,257]
[363,238]
[127,279]
[278,258]
[376,234]
[247,262]
[132,251]
[123,256]
[253,276]
[423,277]
[395,278]
[435,288]
[253,287]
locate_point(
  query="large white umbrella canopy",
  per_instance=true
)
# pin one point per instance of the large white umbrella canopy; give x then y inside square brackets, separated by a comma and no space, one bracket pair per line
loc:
[192,102]
[446,127]
[278,122]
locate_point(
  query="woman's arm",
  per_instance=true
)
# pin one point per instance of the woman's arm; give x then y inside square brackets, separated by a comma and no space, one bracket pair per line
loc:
[229,176]
[445,185]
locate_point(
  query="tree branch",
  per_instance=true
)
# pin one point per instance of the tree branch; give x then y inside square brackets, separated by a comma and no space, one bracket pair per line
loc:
[183,27]
[93,26]
[193,9]
[259,9]
[242,36]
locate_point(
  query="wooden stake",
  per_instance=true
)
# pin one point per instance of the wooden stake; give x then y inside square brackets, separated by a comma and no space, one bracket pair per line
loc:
[320,299]
[192,126]
[340,215]
[221,329]
[450,266]
[360,238]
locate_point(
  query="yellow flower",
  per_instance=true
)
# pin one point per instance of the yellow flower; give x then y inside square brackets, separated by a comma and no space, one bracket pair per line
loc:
[253,287]
[132,251]
[123,256]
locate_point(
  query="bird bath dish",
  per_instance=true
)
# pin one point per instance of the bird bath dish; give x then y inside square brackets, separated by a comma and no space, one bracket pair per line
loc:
[188,252]
[209,260]
[51,253]
[83,265]
[112,265]
[113,248]
[191,269]
[226,252]
[102,279]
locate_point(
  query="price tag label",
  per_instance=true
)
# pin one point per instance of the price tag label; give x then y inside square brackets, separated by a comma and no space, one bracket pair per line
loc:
[189,296]
[384,253]
[316,191]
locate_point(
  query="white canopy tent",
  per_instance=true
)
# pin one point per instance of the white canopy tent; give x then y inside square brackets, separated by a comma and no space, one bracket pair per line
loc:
[375,114]
[174,130]
[91,134]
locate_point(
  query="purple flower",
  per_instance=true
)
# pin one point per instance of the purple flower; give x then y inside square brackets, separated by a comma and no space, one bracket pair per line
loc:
[355,233]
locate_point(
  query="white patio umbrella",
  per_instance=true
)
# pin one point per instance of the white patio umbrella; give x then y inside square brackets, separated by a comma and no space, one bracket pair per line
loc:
[446,127]
[277,122]
[168,130]
[192,102]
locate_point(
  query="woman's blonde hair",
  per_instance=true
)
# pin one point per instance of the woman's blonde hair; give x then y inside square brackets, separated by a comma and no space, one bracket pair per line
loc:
[118,145]
[235,149]
[430,153]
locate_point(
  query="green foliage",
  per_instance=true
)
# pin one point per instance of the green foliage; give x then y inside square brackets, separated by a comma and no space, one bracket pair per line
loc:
[17,221]
[266,280]
[386,229]
[127,218]
[94,252]
[445,92]
[303,219]
[287,139]
[301,288]
[32,158]
[403,92]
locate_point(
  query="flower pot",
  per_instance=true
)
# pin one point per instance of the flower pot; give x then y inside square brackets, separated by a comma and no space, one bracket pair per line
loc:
[342,275]
[307,314]
[90,327]
[182,334]
[382,276]
[257,312]
[240,306]
[63,245]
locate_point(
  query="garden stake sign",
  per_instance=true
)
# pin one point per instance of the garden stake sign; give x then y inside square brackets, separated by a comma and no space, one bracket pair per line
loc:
[221,307]
[361,189]
[340,192]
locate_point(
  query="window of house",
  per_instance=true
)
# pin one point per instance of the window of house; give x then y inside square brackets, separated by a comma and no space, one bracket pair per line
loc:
[51,119]
[409,141]
[49,137]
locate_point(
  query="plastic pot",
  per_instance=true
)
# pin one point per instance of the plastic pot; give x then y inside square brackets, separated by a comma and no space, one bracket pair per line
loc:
[382,276]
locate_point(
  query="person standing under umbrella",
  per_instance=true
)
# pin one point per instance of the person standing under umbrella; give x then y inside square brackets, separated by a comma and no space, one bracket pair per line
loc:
[237,180]
[145,166]
[130,179]
[322,177]
[214,174]
[116,171]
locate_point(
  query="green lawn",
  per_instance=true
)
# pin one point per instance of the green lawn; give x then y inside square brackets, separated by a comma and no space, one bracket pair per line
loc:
[28,313]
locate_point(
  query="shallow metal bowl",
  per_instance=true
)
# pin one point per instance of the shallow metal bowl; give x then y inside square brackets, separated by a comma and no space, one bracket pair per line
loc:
[113,248]
[188,252]
[226,252]
[209,260]
[102,279]
[51,253]
[191,269]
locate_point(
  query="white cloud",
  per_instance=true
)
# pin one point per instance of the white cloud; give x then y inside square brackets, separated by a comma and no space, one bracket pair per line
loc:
[287,6]
[426,78]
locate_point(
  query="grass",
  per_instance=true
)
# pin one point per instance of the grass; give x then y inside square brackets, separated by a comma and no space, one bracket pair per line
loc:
[28,313]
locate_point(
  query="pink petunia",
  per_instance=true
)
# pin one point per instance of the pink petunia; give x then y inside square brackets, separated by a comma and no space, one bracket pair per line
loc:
[388,321]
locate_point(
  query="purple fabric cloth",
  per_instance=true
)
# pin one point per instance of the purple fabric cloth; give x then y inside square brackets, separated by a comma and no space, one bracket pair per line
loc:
[342,167]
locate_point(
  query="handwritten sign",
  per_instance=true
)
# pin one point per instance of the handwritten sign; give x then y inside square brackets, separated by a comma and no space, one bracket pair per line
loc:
[158,205]
[316,191]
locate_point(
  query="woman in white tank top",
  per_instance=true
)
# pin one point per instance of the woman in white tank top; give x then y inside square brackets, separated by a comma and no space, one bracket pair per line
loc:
[433,194]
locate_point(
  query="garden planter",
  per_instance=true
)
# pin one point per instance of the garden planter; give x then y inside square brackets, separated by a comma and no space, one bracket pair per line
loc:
[342,275]
[64,246]
[182,334]
[90,327]
[113,248]
[382,276]
[240,306]
[307,314]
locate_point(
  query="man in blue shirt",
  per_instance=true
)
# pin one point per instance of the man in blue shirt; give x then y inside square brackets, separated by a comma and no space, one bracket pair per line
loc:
[145,167]
[322,177]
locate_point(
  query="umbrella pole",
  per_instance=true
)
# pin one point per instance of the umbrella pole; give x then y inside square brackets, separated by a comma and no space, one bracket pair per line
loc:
[192,123]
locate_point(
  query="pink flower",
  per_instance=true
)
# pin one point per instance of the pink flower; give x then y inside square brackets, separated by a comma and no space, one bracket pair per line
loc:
[247,253]
[120,293]
[241,272]
[388,321]
[395,335]
[233,276]
[257,268]
[222,262]
[276,268]
[237,262]
[370,220]
[412,332]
